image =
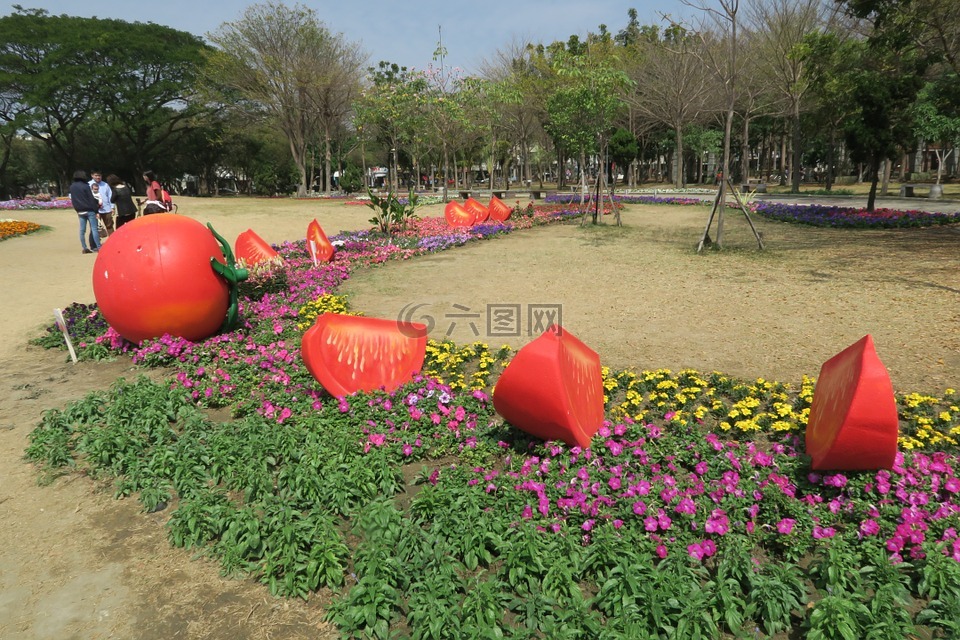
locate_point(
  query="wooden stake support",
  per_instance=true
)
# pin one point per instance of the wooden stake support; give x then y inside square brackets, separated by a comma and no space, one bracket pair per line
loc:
[716,206]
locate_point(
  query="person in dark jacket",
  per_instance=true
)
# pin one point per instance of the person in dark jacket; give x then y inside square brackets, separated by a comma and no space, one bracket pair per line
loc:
[123,199]
[86,206]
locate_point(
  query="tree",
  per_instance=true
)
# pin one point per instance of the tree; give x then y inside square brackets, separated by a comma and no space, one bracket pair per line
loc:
[672,87]
[936,117]
[50,93]
[283,62]
[884,83]
[780,28]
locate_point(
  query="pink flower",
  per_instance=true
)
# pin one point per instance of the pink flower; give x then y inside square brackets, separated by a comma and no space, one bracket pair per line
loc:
[407,449]
[823,532]
[869,528]
[952,485]
[785,526]
[527,512]
[686,505]
[717,523]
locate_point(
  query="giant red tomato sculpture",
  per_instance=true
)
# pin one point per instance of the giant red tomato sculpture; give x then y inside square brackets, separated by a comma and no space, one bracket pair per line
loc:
[154,276]
[348,353]
[553,389]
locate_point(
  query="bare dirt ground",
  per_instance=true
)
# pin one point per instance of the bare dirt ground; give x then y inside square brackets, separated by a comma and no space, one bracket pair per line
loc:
[75,563]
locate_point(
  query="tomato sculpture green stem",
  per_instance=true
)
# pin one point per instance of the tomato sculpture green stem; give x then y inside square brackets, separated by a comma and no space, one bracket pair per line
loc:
[234,275]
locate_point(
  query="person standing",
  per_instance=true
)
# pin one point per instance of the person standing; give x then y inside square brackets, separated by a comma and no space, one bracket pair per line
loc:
[122,199]
[105,212]
[86,206]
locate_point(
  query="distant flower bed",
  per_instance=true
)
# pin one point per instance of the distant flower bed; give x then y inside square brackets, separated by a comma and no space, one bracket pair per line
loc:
[833,216]
[14,228]
[571,198]
[38,202]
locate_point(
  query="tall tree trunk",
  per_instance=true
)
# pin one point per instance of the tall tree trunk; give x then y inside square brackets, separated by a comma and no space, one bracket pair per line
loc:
[678,162]
[327,158]
[874,179]
[745,151]
[797,159]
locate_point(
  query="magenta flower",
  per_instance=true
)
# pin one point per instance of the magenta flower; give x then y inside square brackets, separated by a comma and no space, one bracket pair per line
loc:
[869,528]
[717,523]
[823,532]
[687,506]
[785,526]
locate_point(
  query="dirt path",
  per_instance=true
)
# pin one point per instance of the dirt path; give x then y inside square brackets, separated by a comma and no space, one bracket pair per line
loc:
[75,563]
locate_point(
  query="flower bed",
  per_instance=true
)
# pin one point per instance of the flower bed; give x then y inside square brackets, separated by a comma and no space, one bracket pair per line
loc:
[693,513]
[834,216]
[14,228]
[37,202]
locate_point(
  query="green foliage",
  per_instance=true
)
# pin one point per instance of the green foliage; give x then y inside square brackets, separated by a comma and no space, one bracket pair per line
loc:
[391,212]
[351,181]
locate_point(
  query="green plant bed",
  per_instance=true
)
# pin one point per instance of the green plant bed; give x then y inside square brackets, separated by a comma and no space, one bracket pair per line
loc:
[693,514]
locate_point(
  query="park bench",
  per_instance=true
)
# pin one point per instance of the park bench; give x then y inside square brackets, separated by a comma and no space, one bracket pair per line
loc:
[502,194]
[755,187]
[464,194]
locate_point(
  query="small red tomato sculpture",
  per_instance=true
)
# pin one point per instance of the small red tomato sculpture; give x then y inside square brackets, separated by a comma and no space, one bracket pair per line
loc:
[347,353]
[479,211]
[253,249]
[320,248]
[499,210]
[553,389]
[155,276]
[457,215]
[853,423]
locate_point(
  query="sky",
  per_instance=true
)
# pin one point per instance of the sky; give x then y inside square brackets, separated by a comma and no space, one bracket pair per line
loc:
[406,33]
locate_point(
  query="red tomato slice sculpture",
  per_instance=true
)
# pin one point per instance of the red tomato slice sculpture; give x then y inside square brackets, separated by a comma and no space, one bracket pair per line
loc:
[154,276]
[319,247]
[479,211]
[347,354]
[457,215]
[253,249]
[553,389]
[499,210]
[853,418]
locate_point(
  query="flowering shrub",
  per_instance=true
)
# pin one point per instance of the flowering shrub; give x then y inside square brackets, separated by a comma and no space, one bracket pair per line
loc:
[693,514]
[13,228]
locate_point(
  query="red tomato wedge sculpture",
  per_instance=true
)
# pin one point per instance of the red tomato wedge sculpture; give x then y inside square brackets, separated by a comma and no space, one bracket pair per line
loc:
[457,215]
[553,389]
[347,353]
[253,249]
[166,273]
[499,210]
[319,247]
[853,418]
[479,211]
